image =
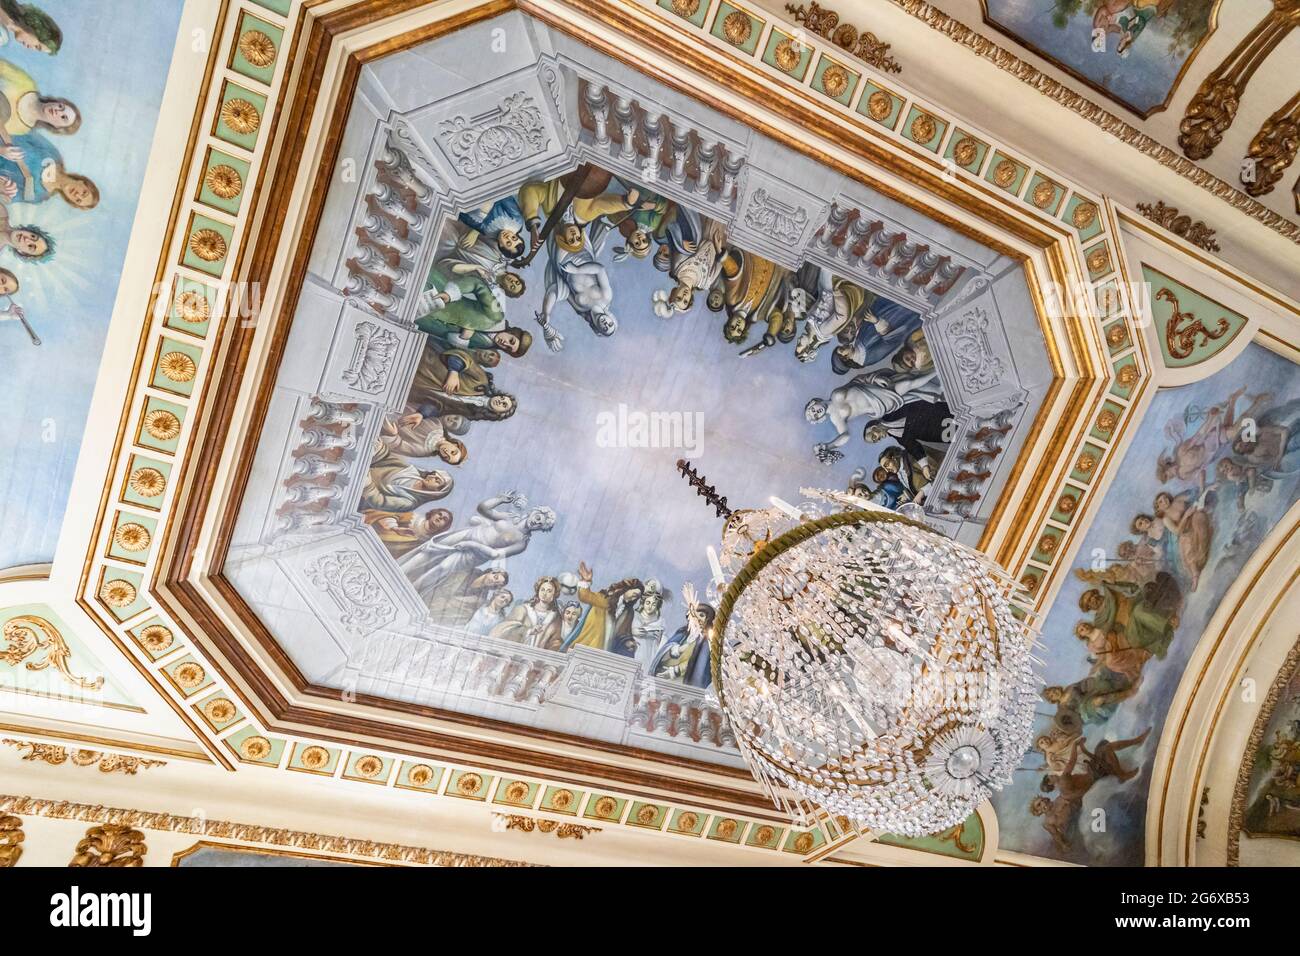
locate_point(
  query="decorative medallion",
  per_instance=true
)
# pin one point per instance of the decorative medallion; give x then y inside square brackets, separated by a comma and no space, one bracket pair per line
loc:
[517,792]
[1099,259]
[688,820]
[209,245]
[177,367]
[241,116]
[646,815]
[835,80]
[118,593]
[788,54]
[923,128]
[1043,194]
[606,807]
[727,828]
[1005,173]
[110,845]
[879,105]
[1127,375]
[224,181]
[257,48]
[1066,504]
[132,537]
[419,775]
[255,748]
[147,482]
[190,675]
[192,307]
[764,834]
[737,27]
[162,424]
[803,842]
[369,766]
[1047,544]
[1085,214]
[219,710]
[686,8]
[1116,335]
[1087,462]
[157,638]
[965,152]
[314,757]
[562,799]
[1107,420]
[1029,581]
[469,784]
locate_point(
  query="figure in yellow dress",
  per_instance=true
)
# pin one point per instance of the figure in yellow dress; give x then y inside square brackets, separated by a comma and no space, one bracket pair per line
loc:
[23,108]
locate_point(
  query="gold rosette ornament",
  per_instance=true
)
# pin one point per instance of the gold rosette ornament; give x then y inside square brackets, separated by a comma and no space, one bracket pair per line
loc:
[241,116]
[257,48]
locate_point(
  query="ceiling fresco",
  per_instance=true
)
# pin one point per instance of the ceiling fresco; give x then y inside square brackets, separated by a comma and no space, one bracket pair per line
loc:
[570,339]
[75,144]
[1212,469]
[422,525]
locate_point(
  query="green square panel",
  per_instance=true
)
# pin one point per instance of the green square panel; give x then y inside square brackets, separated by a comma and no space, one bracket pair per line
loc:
[765,836]
[925,129]
[279,6]
[188,675]
[313,758]
[1067,504]
[176,367]
[738,27]
[146,482]
[257,49]
[368,768]
[251,746]
[155,637]
[219,711]
[561,800]
[692,11]
[207,245]
[687,822]
[120,592]
[648,815]
[239,117]
[1084,215]
[192,307]
[419,776]
[1006,173]
[1045,194]
[727,829]
[132,537]
[787,54]
[880,105]
[223,182]
[835,80]
[605,807]
[966,151]
[160,425]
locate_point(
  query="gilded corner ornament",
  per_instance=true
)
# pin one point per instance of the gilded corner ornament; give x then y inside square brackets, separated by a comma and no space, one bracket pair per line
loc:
[110,845]
[1194,231]
[863,44]
[1272,150]
[11,839]
[28,636]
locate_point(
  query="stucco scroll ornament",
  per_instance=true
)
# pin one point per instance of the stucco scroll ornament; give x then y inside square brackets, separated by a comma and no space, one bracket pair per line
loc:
[112,844]
[28,635]
[361,601]
[11,839]
[487,141]
[1214,107]
[780,221]
[372,357]
[1183,327]
[865,45]
[1273,149]
[969,343]
[1181,225]
[588,681]
[562,831]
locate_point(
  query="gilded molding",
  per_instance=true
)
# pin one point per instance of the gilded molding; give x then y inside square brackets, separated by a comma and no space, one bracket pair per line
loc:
[1237,810]
[246,833]
[863,44]
[1273,149]
[562,831]
[1182,226]
[107,763]
[27,635]
[11,840]
[110,845]
[1214,107]
[1099,116]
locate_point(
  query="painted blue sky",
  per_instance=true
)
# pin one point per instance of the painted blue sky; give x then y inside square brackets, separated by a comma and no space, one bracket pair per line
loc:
[113,66]
[627,512]
[1122,843]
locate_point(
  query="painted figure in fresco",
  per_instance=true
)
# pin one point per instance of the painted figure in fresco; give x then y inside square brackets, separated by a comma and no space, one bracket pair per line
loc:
[685,656]
[460,595]
[501,223]
[419,433]
[1136,563]
[1191,458]
[694,260]
[826,305]
[609,611]
[31,171]
[645,225]
[394,484]
[23,108]
[457,382]
[922,429]
[646,631]
[1275,451]
[400,531]
[1128,18]
[576,276]
[1146,616]
[535,622]
[591,202]
[11,311]
[490,614]
[1184,528]
[1061,815]
[571,615]
[749,289]
[502,527]
[29,26]
[29,243]
[875,333]
[878,394]
[459,300]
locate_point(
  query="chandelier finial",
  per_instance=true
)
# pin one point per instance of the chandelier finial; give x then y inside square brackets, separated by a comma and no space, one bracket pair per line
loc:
[703,488]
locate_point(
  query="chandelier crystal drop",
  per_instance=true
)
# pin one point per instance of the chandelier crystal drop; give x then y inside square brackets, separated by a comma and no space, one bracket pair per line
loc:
[870,667]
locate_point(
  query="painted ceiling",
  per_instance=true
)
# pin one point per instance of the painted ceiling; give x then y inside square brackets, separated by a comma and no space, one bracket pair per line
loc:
[394,496]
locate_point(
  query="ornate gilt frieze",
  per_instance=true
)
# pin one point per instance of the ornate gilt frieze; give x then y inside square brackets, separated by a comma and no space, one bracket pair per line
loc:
[562,831]
[863,44]
[1183,226]
[1273,149]
[36,644]
[106,762]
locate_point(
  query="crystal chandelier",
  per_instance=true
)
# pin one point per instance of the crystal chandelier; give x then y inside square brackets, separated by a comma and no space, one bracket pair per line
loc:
[869,666]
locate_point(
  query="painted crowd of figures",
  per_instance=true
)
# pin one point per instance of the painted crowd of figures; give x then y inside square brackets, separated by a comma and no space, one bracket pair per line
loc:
[891,393]
[32,170]
[1220,460]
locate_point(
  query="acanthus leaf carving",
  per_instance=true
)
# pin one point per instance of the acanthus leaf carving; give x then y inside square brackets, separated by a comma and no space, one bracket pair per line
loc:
[345,578]
[485,142]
